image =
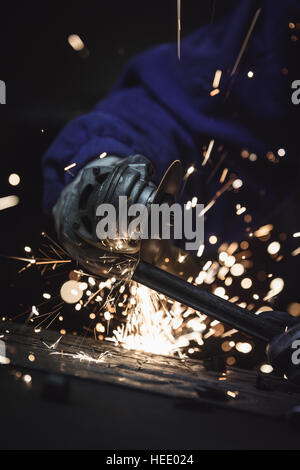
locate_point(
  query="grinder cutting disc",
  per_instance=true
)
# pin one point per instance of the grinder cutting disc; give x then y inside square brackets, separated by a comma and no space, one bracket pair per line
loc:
[167,192]
[169,186]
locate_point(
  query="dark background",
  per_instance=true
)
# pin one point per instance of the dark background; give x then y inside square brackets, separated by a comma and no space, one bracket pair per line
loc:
[48,84]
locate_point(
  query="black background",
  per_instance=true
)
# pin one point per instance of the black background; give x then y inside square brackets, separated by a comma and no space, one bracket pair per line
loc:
[48,84]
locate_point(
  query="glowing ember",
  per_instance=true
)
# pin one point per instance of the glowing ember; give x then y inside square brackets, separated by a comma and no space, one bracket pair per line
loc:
[266,368]
[217,78]
[246,283]
[244,348]
[237,184]
[75,42]
[71,292]
[14,179]
[151,328]
[8,201]
[81,356]
[273,248]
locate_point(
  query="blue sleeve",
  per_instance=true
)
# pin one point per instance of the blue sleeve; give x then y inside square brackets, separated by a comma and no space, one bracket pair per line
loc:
[162,108]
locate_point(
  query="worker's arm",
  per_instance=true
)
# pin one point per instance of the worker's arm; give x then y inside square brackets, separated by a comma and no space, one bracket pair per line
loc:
[162,108]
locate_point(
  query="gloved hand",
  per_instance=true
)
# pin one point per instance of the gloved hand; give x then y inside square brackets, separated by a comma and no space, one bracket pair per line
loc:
[103,181]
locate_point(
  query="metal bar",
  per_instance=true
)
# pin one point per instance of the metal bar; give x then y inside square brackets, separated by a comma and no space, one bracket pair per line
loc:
[204,302]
